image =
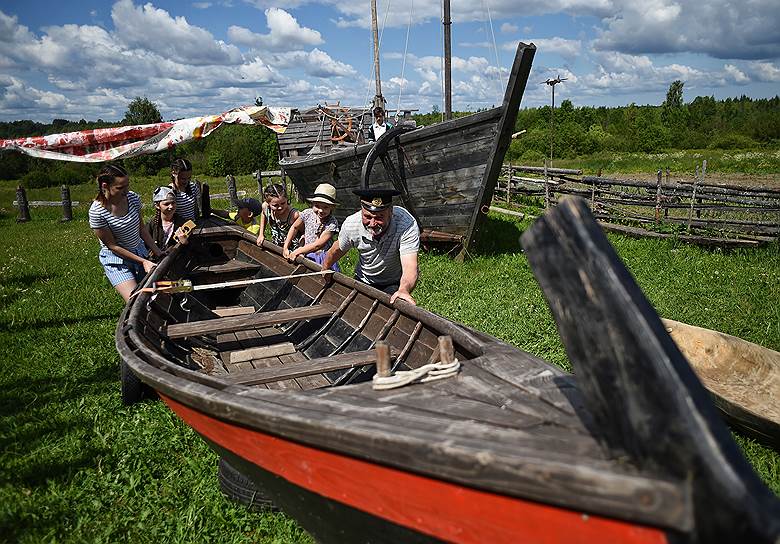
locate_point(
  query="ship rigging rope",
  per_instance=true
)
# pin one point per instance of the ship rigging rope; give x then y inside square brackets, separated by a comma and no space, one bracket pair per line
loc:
[426,373]
[495,50]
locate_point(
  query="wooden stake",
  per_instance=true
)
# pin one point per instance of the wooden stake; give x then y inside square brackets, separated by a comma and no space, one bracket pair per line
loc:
[658,199]
[205,200]
[382,359]
[67,205]
[509,182]
[446,351]
[231,186]
[24,207]
[693,198]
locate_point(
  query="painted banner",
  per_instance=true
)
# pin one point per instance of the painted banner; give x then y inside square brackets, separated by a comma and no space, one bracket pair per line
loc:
[107,144]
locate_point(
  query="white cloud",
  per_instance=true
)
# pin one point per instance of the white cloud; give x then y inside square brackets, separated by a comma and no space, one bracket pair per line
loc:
[153,29]
[315,63]
[719,28]
[735,74]
[16,94]
[202,5]
[509,28]
[285,33]
[568,49]
[764,71]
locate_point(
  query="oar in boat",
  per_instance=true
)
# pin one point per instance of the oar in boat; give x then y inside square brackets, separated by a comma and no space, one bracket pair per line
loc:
[186,286]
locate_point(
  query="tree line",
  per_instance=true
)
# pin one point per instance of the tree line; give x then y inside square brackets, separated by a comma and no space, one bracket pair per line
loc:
[732,123]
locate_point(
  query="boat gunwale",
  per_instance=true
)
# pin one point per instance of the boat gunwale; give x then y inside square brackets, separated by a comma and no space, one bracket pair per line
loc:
[307,161]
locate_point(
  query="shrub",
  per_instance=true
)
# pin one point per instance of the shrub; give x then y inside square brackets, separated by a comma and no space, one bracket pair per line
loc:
[732,141]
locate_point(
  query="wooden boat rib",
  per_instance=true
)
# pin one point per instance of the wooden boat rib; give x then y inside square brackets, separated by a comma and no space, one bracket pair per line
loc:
[449,169]
[743,377]
[511,449]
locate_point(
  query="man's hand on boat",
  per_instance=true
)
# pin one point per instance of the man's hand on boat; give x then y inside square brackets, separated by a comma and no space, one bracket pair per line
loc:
[402,295]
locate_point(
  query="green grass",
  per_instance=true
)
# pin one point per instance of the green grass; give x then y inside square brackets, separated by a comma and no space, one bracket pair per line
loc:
[77,466]
[723,161]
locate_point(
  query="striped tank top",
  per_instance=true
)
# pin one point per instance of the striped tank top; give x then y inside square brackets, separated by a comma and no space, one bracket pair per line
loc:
[126,228]
[187,204]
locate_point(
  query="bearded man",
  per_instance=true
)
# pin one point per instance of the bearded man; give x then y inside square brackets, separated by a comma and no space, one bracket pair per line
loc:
[387,239]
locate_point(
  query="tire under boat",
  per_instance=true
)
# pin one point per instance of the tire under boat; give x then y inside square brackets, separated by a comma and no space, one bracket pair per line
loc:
[510,449]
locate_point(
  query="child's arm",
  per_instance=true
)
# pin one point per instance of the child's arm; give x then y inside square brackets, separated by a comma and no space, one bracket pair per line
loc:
[261,234]
[290,235]
[316,245]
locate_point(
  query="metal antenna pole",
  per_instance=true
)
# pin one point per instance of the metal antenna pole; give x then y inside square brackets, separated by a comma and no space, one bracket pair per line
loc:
[552,83]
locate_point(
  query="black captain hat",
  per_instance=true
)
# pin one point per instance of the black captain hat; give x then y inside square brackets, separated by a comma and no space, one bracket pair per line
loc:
[376,200]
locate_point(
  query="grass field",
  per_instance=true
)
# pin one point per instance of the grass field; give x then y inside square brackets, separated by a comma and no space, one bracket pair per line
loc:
[77,466]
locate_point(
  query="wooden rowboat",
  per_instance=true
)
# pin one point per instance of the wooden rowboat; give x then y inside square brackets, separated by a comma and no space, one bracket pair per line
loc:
[446,172]
[743,377]
[274,376]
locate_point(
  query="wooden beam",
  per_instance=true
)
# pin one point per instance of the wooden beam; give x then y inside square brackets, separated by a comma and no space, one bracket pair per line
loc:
[240,323]
[262,352]
[304,368]
[234,310]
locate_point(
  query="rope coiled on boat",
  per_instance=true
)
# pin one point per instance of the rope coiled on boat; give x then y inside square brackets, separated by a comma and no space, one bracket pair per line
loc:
[426,373]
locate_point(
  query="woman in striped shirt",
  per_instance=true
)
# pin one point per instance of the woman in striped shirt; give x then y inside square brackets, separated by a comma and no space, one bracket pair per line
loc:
[115,216]
[187,191]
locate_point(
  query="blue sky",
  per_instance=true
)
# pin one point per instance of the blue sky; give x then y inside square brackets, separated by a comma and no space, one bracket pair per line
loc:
[89,59]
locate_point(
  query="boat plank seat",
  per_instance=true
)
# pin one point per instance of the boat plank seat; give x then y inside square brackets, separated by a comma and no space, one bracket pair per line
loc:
[304,368]
[243,322]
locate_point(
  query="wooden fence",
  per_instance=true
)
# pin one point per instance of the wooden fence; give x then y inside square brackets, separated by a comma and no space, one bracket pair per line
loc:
[702,209]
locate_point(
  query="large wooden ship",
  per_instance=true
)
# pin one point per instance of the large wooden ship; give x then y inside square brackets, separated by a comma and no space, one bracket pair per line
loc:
[272,363]
[446,172]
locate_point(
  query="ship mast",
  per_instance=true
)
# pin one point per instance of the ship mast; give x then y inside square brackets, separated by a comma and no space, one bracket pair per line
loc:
[447,62]
[378,99]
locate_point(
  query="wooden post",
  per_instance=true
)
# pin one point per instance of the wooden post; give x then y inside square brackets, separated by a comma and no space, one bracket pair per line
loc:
[509,183]
[231,186]
[24,207]
[382,359]
[546,187]
[666,210]
[205,205]
[658,198]
[593,196]
[260,184]
[67,205]
[703,175]
[693,198]
[446,351]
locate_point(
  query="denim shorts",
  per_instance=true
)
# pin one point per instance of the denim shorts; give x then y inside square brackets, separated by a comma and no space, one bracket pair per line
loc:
[119,270]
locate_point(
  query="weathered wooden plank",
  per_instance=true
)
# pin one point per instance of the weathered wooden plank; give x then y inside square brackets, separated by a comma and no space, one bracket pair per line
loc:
[231,311]
[259,352]
[237,323]
[304,368]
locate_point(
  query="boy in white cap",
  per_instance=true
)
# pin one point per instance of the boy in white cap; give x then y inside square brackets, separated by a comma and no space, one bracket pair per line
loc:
[318,226]
[387,239]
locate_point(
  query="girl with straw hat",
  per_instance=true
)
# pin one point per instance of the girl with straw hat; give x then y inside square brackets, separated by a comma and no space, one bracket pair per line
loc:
[318,226]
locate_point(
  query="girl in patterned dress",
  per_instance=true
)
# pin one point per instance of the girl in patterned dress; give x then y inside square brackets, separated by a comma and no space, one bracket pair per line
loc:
[115,217]
[277,213]
[187,191]
[318,226]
